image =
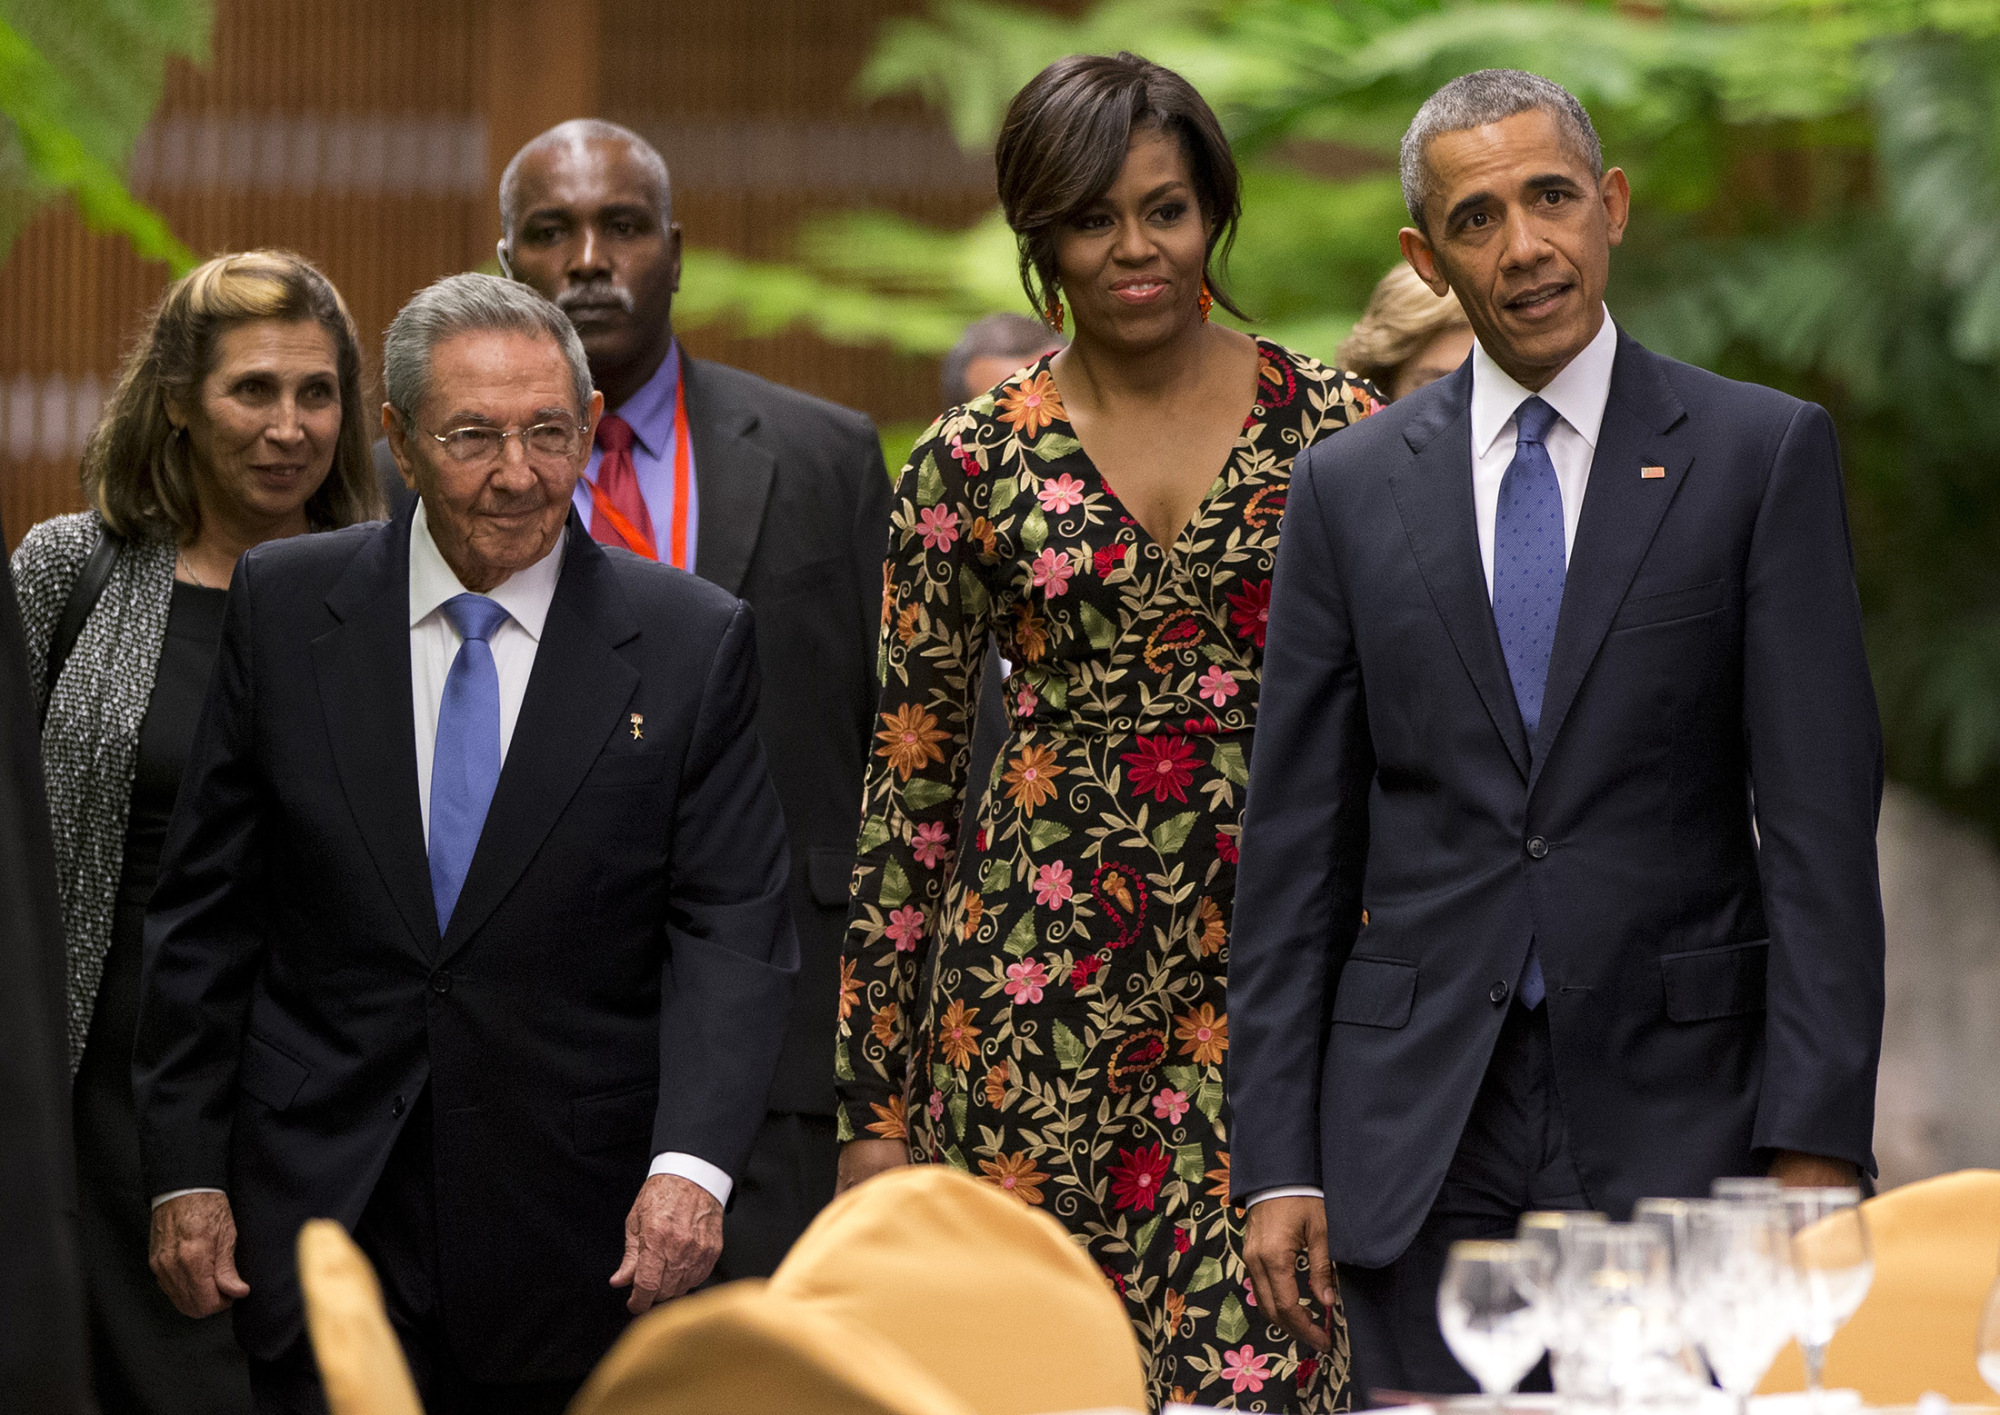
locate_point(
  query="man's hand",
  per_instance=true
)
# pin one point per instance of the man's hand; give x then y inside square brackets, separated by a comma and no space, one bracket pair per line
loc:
[672,1238]
[864,1159]
[194,1254]
[1277,1232]
[1802,1171]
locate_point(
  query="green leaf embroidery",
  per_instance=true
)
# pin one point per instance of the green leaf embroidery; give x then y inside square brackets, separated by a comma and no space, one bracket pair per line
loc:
[1208,1274]
[940,1076]
[924,792]
[1191,1163]
[1208,1099]
[874,835]
[972,591]
[1229,761]
[1182,1078]
[843,1064]
[1230,1322]
[999,874]
[1021,938]
[1054,446]
[1069,1051]
[1096,627]
[895,885]
[930,483]
[1034,530]
[1170,835]
[1004,492]
[955,1107]
[1045,833]
[1143,1239]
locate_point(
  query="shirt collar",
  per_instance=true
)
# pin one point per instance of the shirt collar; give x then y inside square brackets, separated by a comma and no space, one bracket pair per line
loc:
[525,594]
[1578,393]
[650,410]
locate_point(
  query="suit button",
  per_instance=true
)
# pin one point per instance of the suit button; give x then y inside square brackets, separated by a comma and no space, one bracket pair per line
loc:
[396,1108]
[1497,994]
[441,982]
[1537,847]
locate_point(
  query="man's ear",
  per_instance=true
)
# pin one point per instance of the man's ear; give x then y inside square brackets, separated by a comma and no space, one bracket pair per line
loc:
[1617,194]
[399,443]
[500,254]
[1417,251]
[674,252]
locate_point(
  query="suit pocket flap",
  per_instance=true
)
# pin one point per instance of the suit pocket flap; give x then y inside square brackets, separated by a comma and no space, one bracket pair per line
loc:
[614,1118]
[1707,983]
[1668,605]
[268,1075]
[829,872]
[1375,992]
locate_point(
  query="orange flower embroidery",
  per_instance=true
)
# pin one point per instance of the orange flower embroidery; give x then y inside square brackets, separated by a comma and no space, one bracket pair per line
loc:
[996,1086]
[888,594]
[1202,1035]
[975,910]
[893,1123]
[957,1035]
[906,621]
[910,740]
[850,988]
[1031,638]
[1031,405]
[1214,933]
[1176,1306]
[1016,1173]
[1031,777]
[1220,1188]
[989,541]
[884,1025]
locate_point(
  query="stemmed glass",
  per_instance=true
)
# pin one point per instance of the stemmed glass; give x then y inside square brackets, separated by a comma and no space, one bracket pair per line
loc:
[1620,1338]
[1989,1341]
[1738,1290]
[1487,1317]
[1746,1188]
[1540,1236]
[1835,1265]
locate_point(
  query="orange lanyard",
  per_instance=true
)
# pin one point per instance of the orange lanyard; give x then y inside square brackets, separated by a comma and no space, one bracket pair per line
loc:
[636,539]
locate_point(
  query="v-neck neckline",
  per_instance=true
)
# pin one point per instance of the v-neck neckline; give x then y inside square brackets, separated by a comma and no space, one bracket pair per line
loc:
[1216,485]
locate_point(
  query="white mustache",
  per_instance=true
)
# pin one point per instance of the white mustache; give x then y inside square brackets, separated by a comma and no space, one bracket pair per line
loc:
[595,296]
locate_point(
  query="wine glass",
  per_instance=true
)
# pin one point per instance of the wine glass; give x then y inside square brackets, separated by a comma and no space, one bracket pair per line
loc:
[1487,1317]
[1620,1336]
[1738,1290]
[1989,1341]
[1540,1234]
[1835,1265]
[1737,1189]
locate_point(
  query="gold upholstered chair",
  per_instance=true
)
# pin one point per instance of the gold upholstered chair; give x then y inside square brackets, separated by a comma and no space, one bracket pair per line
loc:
[991,1296]
[1937,1253]
[360,1361]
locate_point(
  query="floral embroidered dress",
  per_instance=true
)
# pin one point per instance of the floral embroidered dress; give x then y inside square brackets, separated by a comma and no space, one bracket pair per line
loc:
[1045,1004]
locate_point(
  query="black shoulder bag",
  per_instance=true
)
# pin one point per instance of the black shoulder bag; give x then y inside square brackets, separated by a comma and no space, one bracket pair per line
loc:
[83,597]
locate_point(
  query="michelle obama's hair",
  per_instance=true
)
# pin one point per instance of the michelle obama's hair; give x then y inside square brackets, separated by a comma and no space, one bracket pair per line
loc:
[1063,143]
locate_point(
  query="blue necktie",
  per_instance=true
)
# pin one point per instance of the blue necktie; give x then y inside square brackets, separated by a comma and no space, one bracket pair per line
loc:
[1528,572]
[466,765]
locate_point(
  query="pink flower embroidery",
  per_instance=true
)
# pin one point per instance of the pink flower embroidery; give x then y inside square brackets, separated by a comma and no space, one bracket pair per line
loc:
[906,927]
[936,1108]
[1051,571]
[1244,1369]
[1025,701]
[938,525]
[1217,685]
[1025,981]
[931,844]
[1052,885]
[1059,495]
[1170,1105]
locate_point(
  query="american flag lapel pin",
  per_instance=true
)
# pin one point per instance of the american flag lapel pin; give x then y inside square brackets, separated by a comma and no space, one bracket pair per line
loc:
[1652,473]
[638,724]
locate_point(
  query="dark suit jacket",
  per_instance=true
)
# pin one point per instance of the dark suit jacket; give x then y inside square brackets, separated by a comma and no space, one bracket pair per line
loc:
[795,520]
[612,983]
[1710,997]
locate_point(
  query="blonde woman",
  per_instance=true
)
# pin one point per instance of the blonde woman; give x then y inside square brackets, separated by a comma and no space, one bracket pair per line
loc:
[237,419]
[1407,336]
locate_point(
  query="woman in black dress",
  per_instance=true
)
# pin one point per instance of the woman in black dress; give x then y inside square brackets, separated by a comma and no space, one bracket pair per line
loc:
[237,419]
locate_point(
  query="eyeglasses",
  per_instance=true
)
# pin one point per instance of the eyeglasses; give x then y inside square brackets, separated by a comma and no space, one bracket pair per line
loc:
[475,446]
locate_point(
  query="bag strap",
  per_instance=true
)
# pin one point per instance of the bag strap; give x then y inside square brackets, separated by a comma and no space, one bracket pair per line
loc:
[83,597]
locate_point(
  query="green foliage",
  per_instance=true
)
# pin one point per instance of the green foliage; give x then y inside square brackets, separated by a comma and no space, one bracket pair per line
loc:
[78,81]
[1817,206]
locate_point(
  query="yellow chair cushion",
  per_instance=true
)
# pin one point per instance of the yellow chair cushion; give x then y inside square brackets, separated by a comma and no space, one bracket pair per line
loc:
[1937,1254]
[360,1361]
[991,1296]
[741,1349]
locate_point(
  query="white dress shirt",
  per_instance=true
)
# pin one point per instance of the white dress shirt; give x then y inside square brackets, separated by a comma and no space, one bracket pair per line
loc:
[434,642]
[1578,394]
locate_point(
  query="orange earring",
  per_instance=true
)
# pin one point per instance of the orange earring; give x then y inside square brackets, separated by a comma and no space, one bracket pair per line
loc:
[1054,313]
[1205,302]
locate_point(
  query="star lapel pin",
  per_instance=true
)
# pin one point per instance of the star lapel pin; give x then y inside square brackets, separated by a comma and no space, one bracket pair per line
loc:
[1652,473]
[638,724]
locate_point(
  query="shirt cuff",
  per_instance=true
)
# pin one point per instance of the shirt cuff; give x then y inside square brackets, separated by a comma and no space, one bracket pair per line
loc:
[1284,1191]
[695,1170]
[159,1199]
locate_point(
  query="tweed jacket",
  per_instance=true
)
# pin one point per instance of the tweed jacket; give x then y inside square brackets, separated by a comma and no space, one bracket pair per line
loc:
[90,737]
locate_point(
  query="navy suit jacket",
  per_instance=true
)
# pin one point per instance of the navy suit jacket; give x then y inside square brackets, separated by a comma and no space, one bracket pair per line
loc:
[614,981]
[1689,840]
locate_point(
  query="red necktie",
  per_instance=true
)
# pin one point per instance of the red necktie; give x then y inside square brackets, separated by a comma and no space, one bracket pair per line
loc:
[618,511]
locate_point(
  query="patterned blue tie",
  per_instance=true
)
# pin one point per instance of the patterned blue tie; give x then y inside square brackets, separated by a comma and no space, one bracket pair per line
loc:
[1528,573]
[466,765]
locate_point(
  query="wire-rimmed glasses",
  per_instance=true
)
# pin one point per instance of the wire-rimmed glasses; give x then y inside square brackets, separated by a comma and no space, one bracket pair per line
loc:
[478,445]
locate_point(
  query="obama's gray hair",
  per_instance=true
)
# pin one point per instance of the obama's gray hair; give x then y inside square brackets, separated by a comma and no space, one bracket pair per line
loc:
[1488,96]
[471,304]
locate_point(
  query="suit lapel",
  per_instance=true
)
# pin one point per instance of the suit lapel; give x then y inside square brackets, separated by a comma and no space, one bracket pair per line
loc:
[363,667]
[576,696]
[1621,513]
[1434,497]
[733,477]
